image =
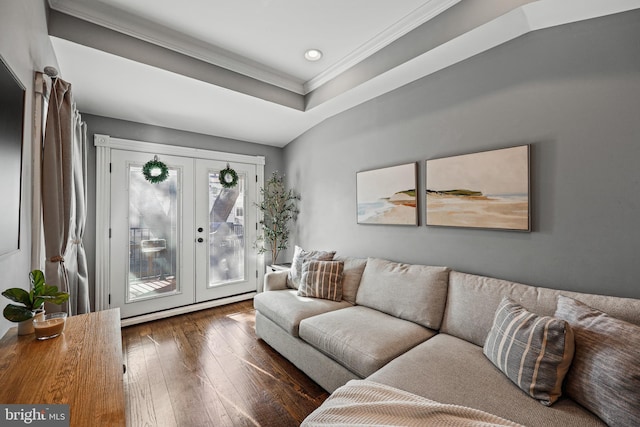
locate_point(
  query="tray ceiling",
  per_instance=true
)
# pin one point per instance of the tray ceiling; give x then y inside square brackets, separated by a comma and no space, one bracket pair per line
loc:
[265,41]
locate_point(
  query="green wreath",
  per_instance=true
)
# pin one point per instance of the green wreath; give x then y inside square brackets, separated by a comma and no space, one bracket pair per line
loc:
[228,177]
[155,171]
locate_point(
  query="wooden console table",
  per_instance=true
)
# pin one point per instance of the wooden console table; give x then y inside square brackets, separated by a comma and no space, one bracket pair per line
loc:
[81,368]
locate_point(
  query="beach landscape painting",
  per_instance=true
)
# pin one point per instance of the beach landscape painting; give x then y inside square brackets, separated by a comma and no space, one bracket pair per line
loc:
[388,195]
[489,189]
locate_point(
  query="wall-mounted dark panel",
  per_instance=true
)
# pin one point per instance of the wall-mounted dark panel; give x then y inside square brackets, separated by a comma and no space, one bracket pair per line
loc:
[12,94]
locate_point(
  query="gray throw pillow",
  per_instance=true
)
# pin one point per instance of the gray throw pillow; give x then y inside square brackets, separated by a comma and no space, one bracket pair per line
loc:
[299,255]
[605,374]
[533,351]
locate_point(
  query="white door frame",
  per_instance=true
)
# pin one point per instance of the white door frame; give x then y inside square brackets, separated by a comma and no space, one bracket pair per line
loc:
[104,144]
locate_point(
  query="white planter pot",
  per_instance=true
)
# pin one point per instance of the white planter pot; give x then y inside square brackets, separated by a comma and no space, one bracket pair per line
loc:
[26,327]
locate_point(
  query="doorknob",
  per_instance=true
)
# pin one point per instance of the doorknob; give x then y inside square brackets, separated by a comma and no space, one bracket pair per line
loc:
[200,240]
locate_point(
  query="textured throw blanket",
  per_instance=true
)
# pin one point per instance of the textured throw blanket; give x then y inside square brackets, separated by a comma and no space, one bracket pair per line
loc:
[365,403]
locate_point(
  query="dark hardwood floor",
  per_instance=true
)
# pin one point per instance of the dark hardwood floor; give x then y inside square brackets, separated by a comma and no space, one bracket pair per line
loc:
[208,368]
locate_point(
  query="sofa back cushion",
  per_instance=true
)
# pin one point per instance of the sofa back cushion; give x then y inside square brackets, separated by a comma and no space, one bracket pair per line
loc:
[351,276]
[472,302]
[416,293]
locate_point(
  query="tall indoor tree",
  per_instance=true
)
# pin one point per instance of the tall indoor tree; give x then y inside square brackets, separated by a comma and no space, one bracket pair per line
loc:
[279,209]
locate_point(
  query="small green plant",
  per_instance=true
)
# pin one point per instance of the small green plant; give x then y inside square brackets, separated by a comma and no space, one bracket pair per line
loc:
[32,300]
[278,208]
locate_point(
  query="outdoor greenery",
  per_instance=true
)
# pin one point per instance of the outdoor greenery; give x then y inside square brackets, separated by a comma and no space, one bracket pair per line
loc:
[32,300]
[279,208]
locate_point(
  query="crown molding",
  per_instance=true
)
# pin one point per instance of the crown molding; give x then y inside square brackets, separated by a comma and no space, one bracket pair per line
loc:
[424,13]
[140,28]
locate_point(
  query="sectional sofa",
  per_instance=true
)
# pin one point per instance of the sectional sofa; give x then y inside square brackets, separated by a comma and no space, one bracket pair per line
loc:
[435,335]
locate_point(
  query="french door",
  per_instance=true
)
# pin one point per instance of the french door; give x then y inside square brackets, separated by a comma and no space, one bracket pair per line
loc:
[225,231]
[186,240]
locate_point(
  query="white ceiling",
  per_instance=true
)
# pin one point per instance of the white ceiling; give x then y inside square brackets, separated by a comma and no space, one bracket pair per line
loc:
[266,40]
[276,33]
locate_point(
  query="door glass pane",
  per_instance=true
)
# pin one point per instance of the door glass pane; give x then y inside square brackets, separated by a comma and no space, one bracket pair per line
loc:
[226,231]
[153,219]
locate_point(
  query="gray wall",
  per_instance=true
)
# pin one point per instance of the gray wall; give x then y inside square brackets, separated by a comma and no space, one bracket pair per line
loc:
[26,48]
[141,132]
[572,92]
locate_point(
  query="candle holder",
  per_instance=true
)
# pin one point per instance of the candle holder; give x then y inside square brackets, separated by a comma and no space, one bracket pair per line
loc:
[50,326]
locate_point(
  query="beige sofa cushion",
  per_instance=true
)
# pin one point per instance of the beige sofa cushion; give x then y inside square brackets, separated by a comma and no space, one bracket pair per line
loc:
[351,276]
[533,351]
[411,292]
[472,302]
[450,370]
[286,309]
[605,374]
[361,339]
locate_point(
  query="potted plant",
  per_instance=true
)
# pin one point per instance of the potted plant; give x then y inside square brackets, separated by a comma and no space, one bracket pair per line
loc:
[31,301]
[278,207]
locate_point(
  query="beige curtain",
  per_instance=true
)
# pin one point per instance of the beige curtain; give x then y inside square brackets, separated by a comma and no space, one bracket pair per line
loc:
[75,255]
[64,198]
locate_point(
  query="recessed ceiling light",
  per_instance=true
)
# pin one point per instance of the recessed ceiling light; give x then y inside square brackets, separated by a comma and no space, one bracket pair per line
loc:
[313,55]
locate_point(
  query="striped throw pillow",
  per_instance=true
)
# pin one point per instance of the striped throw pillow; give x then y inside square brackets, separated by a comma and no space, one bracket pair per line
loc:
[533,351]
[321,279]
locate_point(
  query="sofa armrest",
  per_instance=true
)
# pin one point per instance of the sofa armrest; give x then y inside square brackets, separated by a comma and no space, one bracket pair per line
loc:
[275,280]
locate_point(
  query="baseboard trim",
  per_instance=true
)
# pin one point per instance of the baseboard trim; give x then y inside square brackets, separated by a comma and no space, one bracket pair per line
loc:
[185,309]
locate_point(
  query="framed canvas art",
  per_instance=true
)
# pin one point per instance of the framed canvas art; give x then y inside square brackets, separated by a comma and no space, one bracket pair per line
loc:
[489,189]
[388,195]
